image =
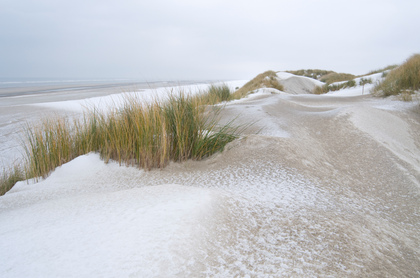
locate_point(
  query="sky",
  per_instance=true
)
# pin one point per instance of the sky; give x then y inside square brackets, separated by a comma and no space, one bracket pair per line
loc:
[188,40]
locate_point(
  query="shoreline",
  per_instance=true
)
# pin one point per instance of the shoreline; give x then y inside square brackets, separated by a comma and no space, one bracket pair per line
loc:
[21,95]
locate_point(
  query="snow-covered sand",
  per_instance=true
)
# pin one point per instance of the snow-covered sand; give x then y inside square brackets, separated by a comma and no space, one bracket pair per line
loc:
[329,187]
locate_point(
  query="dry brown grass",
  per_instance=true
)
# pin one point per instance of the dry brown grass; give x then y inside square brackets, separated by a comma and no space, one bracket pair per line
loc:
[403,79]
[336,77]
[387,68]
[267,79]
[312,73]
[326,76]
[406,96]
[333,87]
[10,177]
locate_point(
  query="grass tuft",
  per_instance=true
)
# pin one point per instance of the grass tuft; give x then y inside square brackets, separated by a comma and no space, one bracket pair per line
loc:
[267,79]
[148,135]
[364,81]
[10,177]
[326,76]
[333,87]
[49,145]
[383,70]
[217,94]
[312,73]
[403,79]
[336,77]
[406,96]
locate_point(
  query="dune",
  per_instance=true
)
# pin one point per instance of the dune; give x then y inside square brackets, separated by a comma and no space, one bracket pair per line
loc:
[328,187]
[298,84]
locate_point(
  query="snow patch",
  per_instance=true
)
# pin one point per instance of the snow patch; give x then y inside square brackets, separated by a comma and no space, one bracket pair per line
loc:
[145,231]
[389,130]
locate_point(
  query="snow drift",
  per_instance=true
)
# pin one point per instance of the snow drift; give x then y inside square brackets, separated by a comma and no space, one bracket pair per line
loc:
[329,187]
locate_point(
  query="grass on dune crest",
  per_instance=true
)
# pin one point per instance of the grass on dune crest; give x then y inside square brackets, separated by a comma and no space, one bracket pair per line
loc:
[384,69]
[336,77]
[330,77]
[344,80]
[404,79]
[148,135]
[266,79]
[335,87]
[312,73]
[326,76]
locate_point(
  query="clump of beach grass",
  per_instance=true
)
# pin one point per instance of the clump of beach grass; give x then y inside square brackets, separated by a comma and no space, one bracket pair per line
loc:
[336,77]
[326,76]
[266,79]
[49,145]
[364,81]
[329,76]
[217,93]
[384,69]
[406,96]
[403,79]
[319,90]
[147,135]
[334,87]
[312,73]
[9,177]
[341,80]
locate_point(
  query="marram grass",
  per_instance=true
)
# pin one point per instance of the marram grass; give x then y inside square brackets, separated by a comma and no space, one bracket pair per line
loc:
[49,145]
[9,177]
[217,94]
[266,79]
[333,87]
[151,135]
[404,79]
[146,135]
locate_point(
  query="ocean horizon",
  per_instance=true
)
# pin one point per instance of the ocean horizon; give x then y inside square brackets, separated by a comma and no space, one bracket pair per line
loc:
[48,81]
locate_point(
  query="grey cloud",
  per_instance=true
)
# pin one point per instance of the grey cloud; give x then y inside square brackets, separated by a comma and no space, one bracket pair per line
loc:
[201,39]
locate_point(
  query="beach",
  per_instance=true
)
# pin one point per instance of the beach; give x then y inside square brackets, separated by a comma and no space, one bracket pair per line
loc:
[318,186]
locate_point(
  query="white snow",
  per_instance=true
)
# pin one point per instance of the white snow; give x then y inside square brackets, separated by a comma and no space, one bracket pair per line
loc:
[358,90]
[284,75]
[148,95]
[253,218]
[388,129]
[351,92]
[94,219]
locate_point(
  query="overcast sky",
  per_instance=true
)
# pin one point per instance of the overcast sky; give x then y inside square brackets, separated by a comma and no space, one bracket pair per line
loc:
[191,39]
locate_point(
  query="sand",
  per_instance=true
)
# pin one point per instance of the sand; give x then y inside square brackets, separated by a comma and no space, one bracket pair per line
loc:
[329,187]
[363,155]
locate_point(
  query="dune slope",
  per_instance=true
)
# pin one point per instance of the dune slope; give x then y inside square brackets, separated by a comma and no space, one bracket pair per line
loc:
[329,187]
